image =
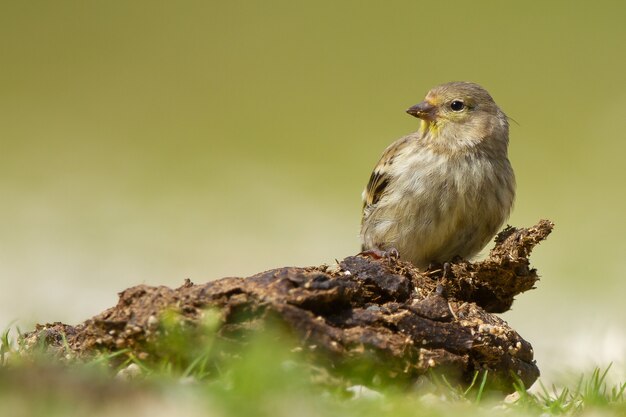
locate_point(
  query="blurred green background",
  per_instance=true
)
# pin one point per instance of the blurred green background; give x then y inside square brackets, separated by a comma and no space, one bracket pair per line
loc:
[152,141]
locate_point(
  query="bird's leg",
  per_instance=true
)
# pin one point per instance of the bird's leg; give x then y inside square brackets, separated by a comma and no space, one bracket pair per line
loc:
[446,270]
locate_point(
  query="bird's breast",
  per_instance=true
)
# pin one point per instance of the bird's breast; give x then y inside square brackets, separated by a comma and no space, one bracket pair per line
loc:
[453,203]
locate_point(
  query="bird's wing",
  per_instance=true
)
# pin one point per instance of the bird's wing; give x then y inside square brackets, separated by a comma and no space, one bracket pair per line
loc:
[381,176]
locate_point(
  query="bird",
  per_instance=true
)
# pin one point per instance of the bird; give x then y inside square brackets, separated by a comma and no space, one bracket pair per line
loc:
[444,191]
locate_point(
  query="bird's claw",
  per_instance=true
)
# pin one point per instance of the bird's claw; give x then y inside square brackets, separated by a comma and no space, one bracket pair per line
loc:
[391,254]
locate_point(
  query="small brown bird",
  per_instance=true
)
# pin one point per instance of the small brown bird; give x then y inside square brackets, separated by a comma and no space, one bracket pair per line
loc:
[445,190]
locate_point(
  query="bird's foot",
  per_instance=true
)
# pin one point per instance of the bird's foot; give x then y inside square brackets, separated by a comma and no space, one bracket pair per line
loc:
[389,254]
[443,270]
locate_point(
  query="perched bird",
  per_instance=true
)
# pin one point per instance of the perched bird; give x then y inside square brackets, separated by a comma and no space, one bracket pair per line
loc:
[445,190]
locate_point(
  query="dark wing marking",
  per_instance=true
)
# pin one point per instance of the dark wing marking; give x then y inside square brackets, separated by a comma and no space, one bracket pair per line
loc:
[380,178]
[375,187]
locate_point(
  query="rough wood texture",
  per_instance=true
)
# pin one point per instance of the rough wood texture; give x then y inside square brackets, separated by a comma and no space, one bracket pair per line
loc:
[399,322]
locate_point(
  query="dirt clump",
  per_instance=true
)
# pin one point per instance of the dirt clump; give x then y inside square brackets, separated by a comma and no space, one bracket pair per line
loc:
[393,319]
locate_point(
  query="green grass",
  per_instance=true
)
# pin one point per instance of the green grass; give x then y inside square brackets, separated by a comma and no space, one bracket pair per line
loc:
[191,375]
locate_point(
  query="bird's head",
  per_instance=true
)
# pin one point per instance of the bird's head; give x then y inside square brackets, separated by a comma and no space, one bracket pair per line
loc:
[460,114]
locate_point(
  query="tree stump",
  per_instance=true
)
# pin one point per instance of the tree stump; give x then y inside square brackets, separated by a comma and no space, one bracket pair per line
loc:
[398,321]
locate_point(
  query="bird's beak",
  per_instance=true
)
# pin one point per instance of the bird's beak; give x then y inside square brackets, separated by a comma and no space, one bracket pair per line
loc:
[424,110]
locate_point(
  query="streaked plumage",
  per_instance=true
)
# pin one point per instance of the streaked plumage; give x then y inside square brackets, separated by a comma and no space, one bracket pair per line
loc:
[445,190]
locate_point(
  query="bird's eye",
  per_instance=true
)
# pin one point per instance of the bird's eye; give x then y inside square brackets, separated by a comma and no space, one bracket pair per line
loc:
[457,105]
